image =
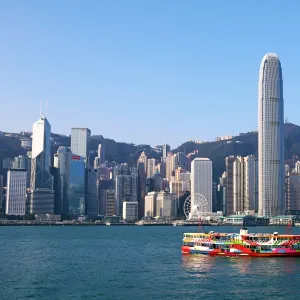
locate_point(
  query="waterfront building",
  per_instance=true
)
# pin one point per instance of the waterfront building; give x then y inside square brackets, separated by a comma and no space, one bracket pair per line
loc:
[271,137]
[126,189]
[166,205]
[16,192]
[130,211]
[108,202]
[150,204]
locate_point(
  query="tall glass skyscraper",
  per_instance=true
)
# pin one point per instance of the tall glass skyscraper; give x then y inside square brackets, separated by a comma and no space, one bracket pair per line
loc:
[80,142]
[270,137]
[77,186]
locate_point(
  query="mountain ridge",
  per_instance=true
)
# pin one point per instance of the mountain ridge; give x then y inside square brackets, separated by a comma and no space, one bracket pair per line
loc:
[217,151]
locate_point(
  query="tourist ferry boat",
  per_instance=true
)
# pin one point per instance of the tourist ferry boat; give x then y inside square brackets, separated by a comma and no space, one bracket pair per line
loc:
[241,244]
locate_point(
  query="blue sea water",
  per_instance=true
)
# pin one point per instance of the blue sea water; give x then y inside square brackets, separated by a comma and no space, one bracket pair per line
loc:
[133,262]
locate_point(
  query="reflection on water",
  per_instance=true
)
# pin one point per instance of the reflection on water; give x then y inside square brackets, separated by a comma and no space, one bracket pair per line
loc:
[198,265]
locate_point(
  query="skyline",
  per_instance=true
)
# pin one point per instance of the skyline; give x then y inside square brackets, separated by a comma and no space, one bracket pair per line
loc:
[142,58]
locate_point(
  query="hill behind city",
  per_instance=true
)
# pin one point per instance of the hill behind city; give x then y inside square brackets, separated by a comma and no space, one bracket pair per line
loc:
[217,151]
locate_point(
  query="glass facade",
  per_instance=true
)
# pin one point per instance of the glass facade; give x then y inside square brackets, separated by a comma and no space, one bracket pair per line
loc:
[80,141]
[76,190]
[270,137]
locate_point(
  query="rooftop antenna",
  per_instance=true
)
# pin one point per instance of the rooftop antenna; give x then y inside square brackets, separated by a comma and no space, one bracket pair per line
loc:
[46,108]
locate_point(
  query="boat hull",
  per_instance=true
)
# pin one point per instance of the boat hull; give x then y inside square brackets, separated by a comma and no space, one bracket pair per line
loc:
[246,253]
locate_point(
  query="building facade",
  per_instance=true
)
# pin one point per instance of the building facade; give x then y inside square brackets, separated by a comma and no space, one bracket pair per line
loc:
[126,190]
[62,162]
[80,142]
[41,179]
[130,211]
[271,137]
[77,186]
[16,192]
[150,204]
[201,180]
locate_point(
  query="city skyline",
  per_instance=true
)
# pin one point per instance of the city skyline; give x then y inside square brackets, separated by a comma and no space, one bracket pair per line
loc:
[123,60]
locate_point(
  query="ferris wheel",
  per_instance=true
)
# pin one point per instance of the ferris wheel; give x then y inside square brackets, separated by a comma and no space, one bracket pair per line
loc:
[197,209]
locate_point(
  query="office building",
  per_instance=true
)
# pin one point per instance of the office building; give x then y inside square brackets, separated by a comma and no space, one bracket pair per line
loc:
[229,207]
[166,150]
[62,162]
[271,137]
[77,186]
[166,205]
[92,192]
[16,192]
[293,193]
[142,160]
[201,181]
[42,194]
[80,143]
[108,202]
[126,189]
[130,211]
[151,163]
[24,163]
[150,204]
[101,154]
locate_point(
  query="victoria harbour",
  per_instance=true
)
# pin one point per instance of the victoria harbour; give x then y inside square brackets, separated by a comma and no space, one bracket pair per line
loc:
[133,262]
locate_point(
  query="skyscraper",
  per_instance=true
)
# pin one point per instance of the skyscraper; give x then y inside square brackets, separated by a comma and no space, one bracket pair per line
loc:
[80,142]
[40,157]
[77,186]
[62,162]
[201,180]
[42,194]
[101,154]
[270,137]
[16,192]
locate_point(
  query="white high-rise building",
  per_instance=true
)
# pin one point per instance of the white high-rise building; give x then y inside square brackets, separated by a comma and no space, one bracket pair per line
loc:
[40,156]
[271,137]
[201,180]
[42,194]
[16,192]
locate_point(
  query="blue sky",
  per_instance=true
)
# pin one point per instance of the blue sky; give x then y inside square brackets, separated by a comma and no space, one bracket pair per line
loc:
[139,71]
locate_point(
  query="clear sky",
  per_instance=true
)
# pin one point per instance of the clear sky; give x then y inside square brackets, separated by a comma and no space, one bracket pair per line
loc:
[155,71]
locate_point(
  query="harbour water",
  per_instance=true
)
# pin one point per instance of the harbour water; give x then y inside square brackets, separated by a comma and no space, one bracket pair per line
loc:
[134,262]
